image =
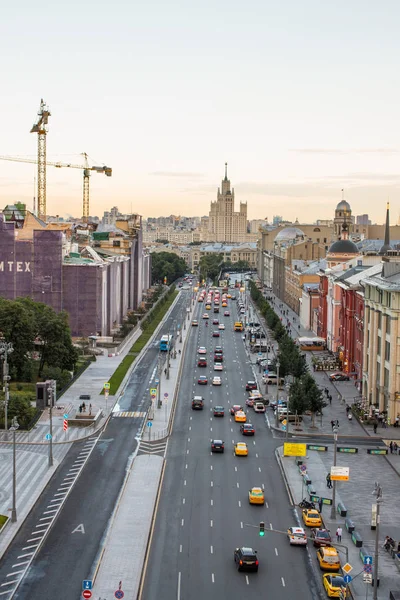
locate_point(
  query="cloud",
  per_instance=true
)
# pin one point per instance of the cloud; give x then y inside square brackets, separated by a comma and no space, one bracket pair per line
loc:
[317,151]
[348,151]
[186,174]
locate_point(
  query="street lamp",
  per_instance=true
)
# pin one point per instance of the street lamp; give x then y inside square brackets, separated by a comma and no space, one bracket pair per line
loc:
[378,493]
[278,364]
[333,508]
[5,349]
[13,428]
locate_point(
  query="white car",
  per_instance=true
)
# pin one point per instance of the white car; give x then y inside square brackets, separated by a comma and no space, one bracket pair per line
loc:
[218,367]
[221,326]
[202,350]
[205,316]
[216,381]
[296,536]
[259,407]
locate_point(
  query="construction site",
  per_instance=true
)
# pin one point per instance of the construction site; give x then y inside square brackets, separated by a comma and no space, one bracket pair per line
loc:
[96,273]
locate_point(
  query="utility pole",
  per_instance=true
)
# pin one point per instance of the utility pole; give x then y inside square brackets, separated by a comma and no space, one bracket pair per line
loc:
[6,348]
[378,493]
[52,398]
[278,364]
[333,507]
[13,428]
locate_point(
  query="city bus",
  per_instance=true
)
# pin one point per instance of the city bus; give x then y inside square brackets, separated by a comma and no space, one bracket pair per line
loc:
[165,343]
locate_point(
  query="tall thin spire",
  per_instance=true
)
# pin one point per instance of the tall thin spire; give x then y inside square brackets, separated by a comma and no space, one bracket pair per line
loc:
[226,171]
[342,194]
[386,246]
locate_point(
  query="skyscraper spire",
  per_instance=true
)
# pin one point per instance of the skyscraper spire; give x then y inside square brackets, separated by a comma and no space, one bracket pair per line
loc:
[386,246]
[226,171]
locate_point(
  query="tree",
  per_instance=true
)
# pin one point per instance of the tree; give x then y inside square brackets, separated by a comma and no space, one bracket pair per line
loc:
[167,264]
[297,400]
[313,395]
[17,325]
[210,265]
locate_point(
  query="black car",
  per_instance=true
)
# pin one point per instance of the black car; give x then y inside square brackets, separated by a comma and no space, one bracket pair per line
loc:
[246,559]
[219,411]
[197,403]
[247,429]
[217,446]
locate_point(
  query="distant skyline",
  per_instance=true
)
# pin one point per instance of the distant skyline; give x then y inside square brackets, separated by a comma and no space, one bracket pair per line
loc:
[301,100]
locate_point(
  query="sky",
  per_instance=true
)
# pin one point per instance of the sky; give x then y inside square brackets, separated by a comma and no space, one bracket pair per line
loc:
[300,98]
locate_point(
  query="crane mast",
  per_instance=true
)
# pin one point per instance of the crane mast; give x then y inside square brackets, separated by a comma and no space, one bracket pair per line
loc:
[40,127]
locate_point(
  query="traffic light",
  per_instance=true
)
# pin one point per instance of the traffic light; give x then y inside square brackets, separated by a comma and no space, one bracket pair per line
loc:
[262,528]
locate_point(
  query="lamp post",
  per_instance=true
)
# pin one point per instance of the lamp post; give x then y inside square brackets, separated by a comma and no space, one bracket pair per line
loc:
[52,398]
[333,508]
[378,493]
[5,349]
[13,428]
[278,364]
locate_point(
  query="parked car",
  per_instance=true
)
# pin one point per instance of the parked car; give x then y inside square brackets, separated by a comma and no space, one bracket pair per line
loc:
[339,377]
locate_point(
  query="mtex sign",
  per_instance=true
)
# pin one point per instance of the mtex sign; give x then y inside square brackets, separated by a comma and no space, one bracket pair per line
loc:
[294,449]
[340,473]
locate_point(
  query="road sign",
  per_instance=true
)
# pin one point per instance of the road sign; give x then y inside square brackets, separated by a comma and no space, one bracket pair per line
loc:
[87,594]
[106,386]
[347,578]
[106,394]
[367,568]
[153,391]
[347,568]
[166,395]
[283,427]
[65,415]
[156,381]
[294,449]
[367,577]
[284,422]
[119,594]
[87,584]
[303,468]
[149,424]
[367,560]
[153,396]
[65,425]
[340,473]
[48,437]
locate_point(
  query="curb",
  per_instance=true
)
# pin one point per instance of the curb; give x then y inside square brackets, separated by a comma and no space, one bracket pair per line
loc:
[283,473]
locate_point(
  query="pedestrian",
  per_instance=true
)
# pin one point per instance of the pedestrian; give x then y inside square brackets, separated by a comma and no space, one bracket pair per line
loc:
[384,423]
[80,408]
[328,481]
[326,391]
[165,371]
[330,399]
[314,366]
[337,423]
[347,409]
[83,407]
[339,532]
[395,447]
[320,504]
[391,447]
[90,409]
[332,424]
[375,426]
[396,422]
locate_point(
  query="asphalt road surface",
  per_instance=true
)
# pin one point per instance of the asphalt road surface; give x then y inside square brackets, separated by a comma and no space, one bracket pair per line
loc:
[203,512]
[69,552]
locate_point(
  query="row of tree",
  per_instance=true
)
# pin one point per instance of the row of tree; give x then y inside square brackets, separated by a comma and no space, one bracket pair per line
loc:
[304,394]
[167,264]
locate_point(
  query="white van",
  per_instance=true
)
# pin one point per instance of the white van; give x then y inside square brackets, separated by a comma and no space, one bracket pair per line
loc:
[272,379]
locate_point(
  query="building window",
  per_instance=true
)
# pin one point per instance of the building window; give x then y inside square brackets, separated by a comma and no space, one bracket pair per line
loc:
[379,345]
[386,378]
[379,319]
[387,350]
[388,324]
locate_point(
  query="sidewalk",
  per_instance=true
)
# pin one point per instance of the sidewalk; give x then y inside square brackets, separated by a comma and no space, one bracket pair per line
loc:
[356,494]
[124,553]
[33,472]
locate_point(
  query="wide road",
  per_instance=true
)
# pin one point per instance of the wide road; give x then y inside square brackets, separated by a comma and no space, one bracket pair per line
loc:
[203,512]
[73,543]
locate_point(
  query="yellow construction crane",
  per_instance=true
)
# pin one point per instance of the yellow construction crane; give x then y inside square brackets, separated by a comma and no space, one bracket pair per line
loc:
[40,127]
[86,174]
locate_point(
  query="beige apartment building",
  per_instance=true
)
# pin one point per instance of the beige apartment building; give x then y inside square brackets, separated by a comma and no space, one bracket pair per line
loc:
[224,224]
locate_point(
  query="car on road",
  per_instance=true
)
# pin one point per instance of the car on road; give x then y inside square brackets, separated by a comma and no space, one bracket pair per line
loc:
[250,401]
[272,379]
[233,409]
[251,385]
[216,380]
[333,585]
[296,536]
[339,377]
[202,350]
[240,416]
[218,358]
[217,446]
[241,449]
[215,322]
[311,517]
[218,367]
[321,537]
[219,411]
[197,403]
[202,362]
[195,323]
[215,333]
[247,429]
[256,496]
[205,316]
[218,350]
[328,559]
[246,559]
[259,407]
[221,326]
[202,380]
[227,313]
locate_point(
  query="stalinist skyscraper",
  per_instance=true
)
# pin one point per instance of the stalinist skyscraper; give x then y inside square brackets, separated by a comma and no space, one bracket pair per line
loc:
[224,224]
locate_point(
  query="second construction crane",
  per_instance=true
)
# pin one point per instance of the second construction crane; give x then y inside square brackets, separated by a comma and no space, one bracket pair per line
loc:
[86,174]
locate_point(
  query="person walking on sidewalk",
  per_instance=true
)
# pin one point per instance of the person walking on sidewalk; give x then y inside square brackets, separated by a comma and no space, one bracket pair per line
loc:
[339,532]
[330,399]
[375,426]
[391,447]
[328,481]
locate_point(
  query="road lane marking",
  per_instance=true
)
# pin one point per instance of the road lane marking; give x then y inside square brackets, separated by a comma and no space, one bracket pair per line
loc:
[184,483]
[179,586]
[212,577]
[256,455]
[236,469]
[212,502]
[276,551]
[15,573]
[19,564]
[211,467]
[270,526]
[35,539]
[180,548]
[25,555]
[266,505]
[212,550]
[182,522]
[212,484]
[240,504]
[29,547]
[187,451]
[188,439]
[237,484]
[247,579]
[186,466]
[241,524]
[211,523]
[283,582]
[259,468]
[9,583]
[183,502]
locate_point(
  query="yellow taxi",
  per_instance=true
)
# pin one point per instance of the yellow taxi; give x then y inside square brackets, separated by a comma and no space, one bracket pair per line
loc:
[333,585]
[241,449]
[224,304]
[240,417]
[328,558]
[311,517]
[229,296]
[256,496]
